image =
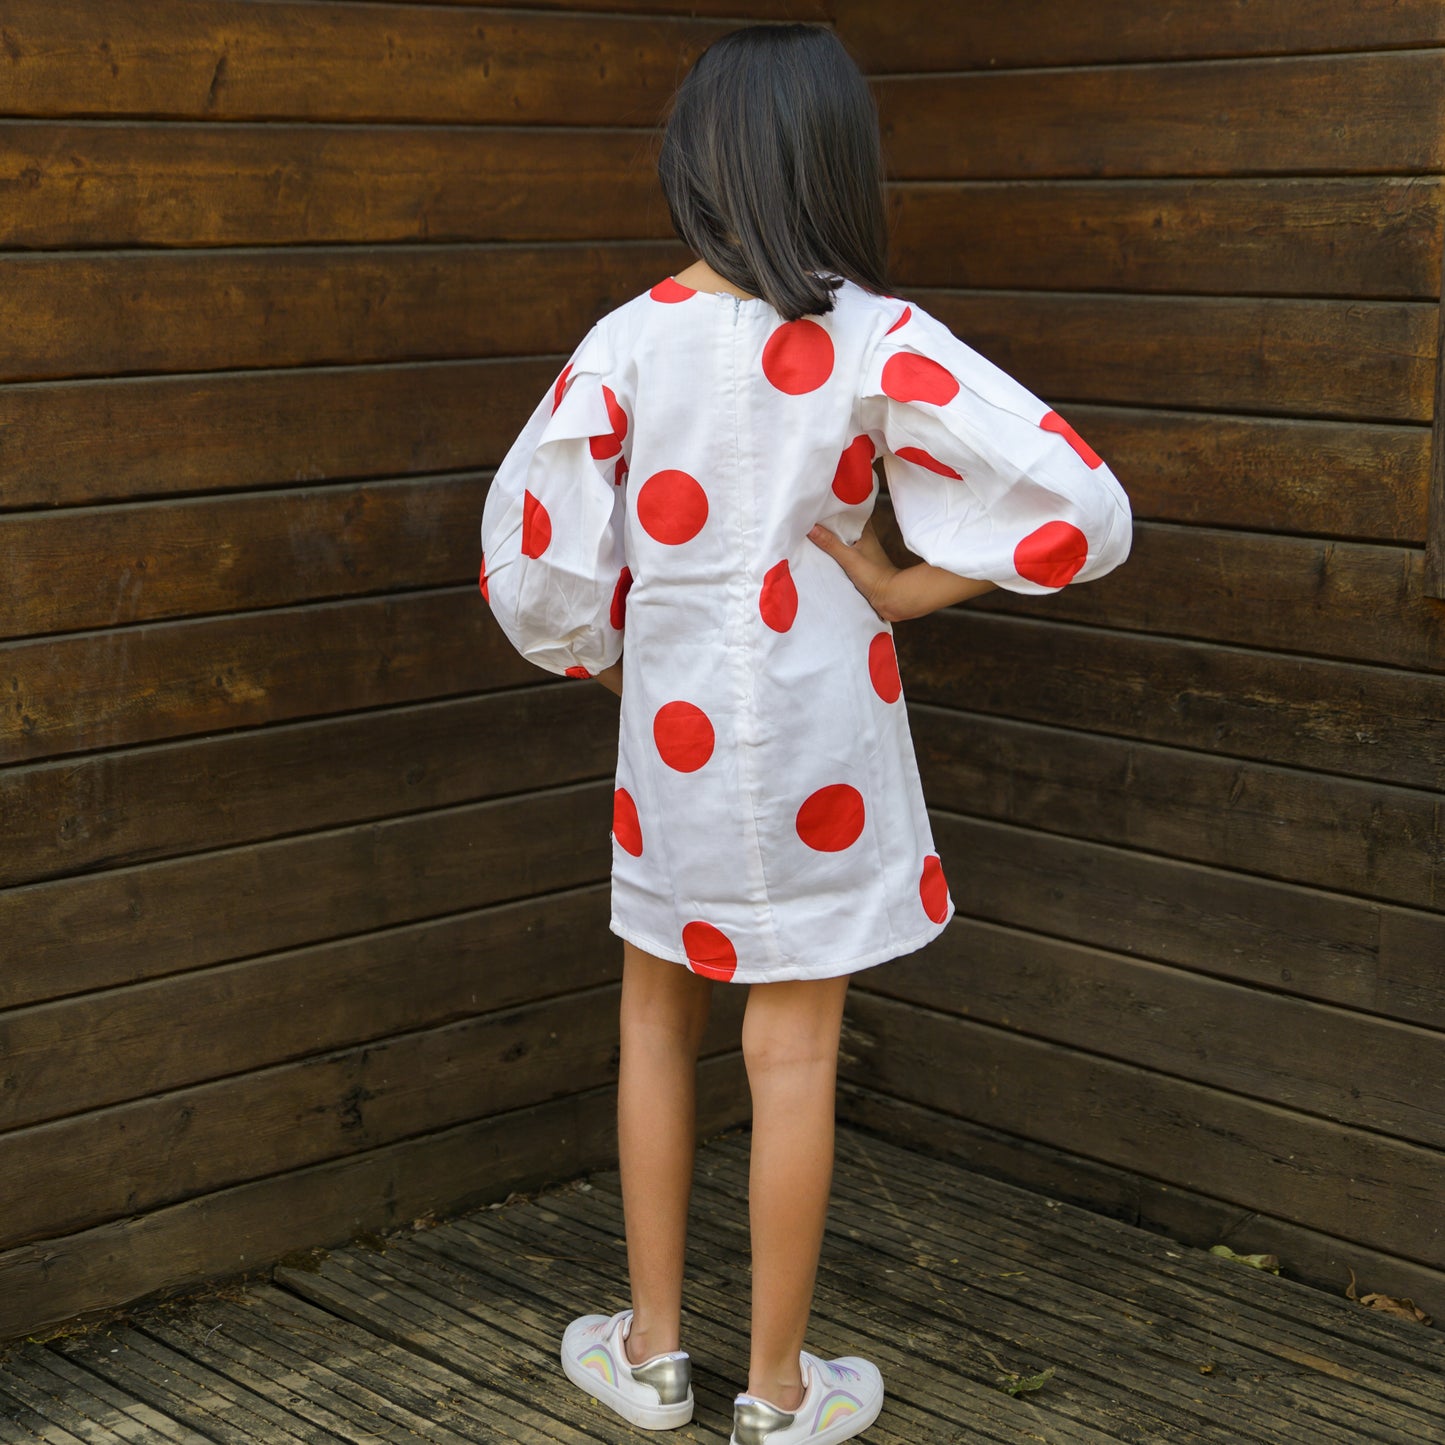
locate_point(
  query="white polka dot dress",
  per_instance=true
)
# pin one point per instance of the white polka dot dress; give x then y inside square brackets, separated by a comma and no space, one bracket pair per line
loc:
[768,819]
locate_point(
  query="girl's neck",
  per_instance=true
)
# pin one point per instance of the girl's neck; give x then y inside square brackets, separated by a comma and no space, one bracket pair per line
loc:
[701,277]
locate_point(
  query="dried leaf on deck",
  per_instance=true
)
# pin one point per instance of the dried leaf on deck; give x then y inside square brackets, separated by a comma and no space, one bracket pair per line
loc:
[1255,1261]
[1405,1309]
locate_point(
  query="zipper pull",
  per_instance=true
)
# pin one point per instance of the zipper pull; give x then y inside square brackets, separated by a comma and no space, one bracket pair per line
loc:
[737,306]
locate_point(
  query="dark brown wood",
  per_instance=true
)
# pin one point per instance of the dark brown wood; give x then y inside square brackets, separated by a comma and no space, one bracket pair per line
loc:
[1370,237]
[105,567]
[1260,1044]
[1362,360]
[1366,722]
[236,185]
[1342,834]
[731,9]
[125,1161]
[173,679]
[1355,953]
[916,35]
[256,1223]
[188,311]
[72,443]
[317,62]
[1341,115]
[137,923]
[132,805]
[1435,546]
[105,1048]
[1184,1133]
[1267,474]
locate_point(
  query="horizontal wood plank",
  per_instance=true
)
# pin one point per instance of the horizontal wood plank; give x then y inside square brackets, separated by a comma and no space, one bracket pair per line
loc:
[1291,594]
[74,443]
[1368,722]
[917,35]
[1350,115]
[1358,954]
[303,61]
[79,185]
[98,315]
[1318,1173]
[131,805]
[1357,360]
[1267,474]
[256,1223]
[126,1161]
[132,924]
[173,679]
[732,9]
[1260,1044]
[98,567]
[1372,237]
[1342,834]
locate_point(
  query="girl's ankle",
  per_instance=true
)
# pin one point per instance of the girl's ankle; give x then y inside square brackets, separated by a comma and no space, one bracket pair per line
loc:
[785,1395]
[639,1346]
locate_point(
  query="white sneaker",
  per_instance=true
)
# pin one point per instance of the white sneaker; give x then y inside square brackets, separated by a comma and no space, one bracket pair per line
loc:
[841,1399]
[656,1395]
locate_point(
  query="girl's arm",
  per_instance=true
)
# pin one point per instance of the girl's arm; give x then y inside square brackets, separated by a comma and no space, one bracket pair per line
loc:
[611,677]
[895,593]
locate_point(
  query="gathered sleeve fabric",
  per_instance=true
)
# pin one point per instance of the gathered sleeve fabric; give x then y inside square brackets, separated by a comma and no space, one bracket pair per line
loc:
[986,480]
[553,569]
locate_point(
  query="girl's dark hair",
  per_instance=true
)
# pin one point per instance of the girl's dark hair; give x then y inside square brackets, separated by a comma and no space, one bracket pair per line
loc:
[771,168]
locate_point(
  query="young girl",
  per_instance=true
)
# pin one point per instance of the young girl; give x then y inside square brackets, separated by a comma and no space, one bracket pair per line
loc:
[700,481]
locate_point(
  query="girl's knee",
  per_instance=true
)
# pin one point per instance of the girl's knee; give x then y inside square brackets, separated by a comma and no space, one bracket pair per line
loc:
[793,1024]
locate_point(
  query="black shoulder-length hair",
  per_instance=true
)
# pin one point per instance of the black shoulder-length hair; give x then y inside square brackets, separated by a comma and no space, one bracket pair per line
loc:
[771,168]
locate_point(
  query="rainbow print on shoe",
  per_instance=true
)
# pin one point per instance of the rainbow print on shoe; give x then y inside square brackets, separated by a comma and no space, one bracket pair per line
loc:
[828,1413]
[655,1395]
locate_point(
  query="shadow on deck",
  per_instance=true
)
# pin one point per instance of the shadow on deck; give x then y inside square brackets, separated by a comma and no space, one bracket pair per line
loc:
[955,1284]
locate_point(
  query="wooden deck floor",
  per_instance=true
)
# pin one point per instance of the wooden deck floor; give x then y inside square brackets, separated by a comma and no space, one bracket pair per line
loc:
[951,1282]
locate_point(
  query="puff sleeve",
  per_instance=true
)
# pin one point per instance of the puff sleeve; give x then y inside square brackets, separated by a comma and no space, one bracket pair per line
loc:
[552,524]
[986,480]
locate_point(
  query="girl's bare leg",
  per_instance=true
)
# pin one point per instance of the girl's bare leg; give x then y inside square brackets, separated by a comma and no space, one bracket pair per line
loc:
[664,1013]
[790,1044]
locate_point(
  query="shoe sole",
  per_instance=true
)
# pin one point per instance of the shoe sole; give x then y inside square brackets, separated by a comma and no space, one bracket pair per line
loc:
[647,1417]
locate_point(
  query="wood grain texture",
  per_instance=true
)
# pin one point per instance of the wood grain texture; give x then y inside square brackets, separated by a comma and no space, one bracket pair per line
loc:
[131,924]
[253,1224]
[1369,237]
[1262,1045]
[132,805]
[1435,554]
[916,35]
[1340,115]
[1341,834]
[1357,954]
[220,60]
[98,567]
[73,443]
[1351,360]
[91,315]
[82,185]
[1256,1155]
[799,10]
[1346,718]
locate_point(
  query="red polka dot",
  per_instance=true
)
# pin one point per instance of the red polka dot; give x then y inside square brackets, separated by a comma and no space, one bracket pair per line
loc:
[578,672]
[625,827]
[672,507]
[798,357]
[1055,423]
[710,951]
[684,736]
[933,888]
[883,668]
[910,377]
[778,601]
[482,581]
[618,615]
[853,481]
[671,292]
[902,321]
[1051,555]
[610,443]
[560,390]
[832,818]
[921,458]
[536,526]
[620,475]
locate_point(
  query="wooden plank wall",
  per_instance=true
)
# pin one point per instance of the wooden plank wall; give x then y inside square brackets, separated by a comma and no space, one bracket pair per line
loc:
[302,880]
[1192,813]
